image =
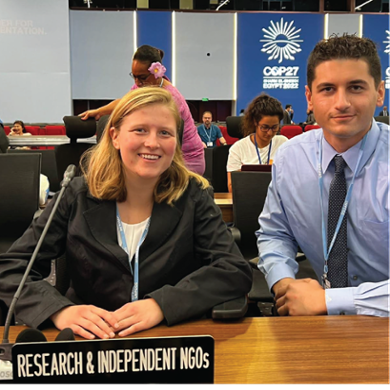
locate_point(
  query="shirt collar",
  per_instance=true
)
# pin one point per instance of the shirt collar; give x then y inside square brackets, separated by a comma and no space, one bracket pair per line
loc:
[352,154]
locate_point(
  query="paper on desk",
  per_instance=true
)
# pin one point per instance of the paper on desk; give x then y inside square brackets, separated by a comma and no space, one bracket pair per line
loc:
[5,371]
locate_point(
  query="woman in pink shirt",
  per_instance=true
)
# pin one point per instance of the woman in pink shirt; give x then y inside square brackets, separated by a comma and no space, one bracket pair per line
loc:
[147,70]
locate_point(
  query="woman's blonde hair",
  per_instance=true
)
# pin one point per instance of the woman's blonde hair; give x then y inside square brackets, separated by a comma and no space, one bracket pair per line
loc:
[102,165]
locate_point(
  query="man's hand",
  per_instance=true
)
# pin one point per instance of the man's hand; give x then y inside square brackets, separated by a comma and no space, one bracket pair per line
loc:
[300,297]
[139,315]
[204,145]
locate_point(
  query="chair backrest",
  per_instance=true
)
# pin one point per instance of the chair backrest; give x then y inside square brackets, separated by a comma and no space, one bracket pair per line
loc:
[234,125]
[66,154]
[229,140]
[312,127]
[291,131]
[4,142]
[49,165]
[19,194]
[249,194]
[383,119]
[215,167]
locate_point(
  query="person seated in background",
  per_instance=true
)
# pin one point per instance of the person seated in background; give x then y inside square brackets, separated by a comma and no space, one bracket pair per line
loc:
[260,125]
[144,240]
[147,70]
[18,129]
[330,190]
[209,133]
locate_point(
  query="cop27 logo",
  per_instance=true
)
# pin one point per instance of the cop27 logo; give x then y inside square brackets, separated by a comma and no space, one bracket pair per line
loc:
[281,41]
[387,42]
[387,51]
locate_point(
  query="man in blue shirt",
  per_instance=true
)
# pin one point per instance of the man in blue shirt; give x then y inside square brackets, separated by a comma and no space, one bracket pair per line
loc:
[209,133]
[343,89]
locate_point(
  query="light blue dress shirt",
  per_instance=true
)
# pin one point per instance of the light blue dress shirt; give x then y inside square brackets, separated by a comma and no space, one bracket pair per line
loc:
[292,216]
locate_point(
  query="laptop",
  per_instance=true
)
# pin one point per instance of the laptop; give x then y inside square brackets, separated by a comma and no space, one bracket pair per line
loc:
[256,167]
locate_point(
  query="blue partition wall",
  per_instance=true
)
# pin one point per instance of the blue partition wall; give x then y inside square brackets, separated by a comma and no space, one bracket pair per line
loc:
[154,28]
[376,27]
[272,55]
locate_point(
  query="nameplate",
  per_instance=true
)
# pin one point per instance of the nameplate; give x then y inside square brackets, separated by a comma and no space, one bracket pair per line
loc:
[187,359]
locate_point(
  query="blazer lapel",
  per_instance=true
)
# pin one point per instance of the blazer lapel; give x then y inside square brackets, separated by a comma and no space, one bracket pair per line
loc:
[164,220]
[101,219]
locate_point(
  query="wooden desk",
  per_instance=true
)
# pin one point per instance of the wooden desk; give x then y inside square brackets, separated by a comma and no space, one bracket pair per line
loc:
[46,140]
[322,349]
[225,202]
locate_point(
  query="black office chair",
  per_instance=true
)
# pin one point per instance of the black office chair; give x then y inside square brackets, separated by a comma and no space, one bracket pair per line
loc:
[4,142]
[234,126]
[249,193]
[66,154]
[49,165]
[215,171]
[383,119]
[19,195]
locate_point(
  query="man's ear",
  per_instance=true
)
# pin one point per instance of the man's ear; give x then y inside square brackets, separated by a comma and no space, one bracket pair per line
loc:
[381,94]
[308,95]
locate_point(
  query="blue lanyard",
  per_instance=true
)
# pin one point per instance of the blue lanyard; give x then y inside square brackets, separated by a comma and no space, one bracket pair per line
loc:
[134,291]
[345,204]
[207,135]
[257,150]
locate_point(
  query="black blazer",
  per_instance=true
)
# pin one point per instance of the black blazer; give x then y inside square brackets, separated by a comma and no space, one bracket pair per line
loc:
[286,118]
[189,261]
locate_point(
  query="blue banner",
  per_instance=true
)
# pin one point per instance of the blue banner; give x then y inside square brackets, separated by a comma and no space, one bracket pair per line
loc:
[272,55]
[376,27]
[154,28]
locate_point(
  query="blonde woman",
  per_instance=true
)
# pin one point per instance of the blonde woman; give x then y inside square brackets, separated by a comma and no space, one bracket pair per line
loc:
[144,240]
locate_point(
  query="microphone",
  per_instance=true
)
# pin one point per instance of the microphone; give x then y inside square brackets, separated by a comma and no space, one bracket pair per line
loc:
[6,346]
[68,175]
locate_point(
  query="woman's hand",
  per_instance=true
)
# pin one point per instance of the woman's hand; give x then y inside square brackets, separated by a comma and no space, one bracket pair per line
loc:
[87,321]
[90,114]
[136,316]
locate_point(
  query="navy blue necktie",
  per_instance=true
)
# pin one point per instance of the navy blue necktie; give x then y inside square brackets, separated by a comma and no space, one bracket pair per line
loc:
[338,257]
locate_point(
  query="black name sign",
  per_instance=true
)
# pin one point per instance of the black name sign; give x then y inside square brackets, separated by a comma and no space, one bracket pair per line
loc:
[145,360]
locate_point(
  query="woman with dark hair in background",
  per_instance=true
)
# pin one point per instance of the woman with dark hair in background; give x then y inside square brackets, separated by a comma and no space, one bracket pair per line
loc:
[261,123]
[18,129]
[147,70]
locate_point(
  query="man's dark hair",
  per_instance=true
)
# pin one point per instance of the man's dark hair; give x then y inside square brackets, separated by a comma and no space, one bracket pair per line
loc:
[288,106]
[346,47]
[260,106]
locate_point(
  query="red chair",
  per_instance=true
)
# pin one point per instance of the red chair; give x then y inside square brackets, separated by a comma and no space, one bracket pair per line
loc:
[34,130]
[54,130]
[7,129]
[229,140]
[291,131]
[311,127]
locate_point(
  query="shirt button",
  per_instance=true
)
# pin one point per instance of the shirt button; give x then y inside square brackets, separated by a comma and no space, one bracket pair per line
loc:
[354,277]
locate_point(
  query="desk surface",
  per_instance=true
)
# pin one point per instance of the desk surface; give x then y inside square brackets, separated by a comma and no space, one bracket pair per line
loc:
[46,140]
[322,349]
[225,202]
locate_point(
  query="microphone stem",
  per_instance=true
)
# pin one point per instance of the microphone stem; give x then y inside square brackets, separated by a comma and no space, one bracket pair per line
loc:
[28,269]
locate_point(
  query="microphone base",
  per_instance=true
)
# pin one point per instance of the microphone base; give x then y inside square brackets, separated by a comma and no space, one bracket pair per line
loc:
[6,352]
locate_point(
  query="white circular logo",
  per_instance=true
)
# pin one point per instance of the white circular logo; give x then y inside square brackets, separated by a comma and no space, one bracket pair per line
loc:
[387,42]
[281,41]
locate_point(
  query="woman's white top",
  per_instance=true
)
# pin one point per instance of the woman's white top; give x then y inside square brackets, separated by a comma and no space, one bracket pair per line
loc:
[243,152]
[133,235]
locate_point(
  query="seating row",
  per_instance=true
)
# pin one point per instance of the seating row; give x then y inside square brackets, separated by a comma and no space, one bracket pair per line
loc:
[45,130]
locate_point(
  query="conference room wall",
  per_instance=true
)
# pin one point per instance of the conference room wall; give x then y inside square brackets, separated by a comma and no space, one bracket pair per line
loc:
[36,75]
[102,46]
[35,66]
[339,24]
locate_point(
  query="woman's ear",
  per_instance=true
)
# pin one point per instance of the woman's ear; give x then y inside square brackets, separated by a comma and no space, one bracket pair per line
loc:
[114,137]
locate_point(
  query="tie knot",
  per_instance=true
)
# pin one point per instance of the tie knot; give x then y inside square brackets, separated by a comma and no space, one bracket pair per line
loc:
[339,164]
